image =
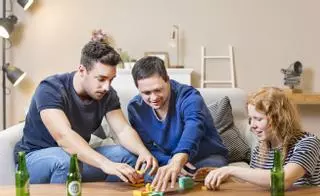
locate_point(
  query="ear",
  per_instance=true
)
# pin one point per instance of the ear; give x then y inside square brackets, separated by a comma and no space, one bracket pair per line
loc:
[168,79]
[82,70]
[269,121]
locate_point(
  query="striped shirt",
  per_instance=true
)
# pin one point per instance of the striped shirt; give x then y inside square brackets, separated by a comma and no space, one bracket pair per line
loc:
[306,153]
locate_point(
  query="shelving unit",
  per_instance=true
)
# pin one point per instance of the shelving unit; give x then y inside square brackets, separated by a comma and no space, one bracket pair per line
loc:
[304,98]
[229,58]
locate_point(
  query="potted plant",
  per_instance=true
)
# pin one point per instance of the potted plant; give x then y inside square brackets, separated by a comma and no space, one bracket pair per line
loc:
[127,61]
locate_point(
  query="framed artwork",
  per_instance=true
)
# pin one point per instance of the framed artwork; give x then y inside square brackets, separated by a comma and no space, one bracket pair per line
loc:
[162,55]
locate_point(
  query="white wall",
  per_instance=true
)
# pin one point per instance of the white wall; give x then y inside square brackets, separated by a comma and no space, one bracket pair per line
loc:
[267,35]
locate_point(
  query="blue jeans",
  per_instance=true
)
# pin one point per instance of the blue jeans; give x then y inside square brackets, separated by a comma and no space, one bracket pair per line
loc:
[51,165]
[211,161]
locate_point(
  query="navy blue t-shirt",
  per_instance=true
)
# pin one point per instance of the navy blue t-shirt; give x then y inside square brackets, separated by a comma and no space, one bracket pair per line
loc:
[57,92]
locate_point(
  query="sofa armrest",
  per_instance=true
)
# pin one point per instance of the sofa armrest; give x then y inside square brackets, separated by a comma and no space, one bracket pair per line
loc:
[8,139]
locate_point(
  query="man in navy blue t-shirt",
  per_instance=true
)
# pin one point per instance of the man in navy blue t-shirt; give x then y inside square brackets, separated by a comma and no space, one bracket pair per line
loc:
[66,109]
[174,123]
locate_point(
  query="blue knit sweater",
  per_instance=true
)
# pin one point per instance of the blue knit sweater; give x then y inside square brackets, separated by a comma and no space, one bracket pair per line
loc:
[188,126]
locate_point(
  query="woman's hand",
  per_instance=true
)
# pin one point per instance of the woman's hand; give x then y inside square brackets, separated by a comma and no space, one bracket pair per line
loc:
[217,176]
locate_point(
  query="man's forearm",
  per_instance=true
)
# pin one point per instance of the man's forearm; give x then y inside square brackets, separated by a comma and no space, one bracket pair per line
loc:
[131,140]
[72,143]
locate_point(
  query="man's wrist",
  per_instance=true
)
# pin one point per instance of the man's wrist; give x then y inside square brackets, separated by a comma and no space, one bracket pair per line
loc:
[142,151]
[104,162]
[180,159]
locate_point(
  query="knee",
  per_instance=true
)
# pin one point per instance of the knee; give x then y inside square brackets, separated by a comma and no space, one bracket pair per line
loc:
[45,166]
[212,161]
[126,156]
[60,163]
[219,161]
[119,154]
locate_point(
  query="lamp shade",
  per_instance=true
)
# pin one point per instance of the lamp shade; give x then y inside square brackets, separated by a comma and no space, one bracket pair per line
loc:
[14,74]
[25,3]
[7,25]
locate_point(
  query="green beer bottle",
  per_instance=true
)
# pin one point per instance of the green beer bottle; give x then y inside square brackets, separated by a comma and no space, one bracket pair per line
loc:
[277,175]
[74,178]
[22,176]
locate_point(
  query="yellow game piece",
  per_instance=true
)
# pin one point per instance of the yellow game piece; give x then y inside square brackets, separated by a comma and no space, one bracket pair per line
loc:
[137,185]
[137,193]
[140,193]
[204,188]
[148,187]
[141,172]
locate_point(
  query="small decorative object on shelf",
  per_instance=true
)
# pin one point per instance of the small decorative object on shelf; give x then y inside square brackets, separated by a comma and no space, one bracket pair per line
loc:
[162,55]
[175,44]
[292,76]
[127,61]
[99,35]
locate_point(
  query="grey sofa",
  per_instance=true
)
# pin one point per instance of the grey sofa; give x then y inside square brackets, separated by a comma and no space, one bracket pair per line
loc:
[10,136]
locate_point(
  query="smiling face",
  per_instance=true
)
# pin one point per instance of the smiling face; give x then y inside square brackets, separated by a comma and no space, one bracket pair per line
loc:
[154,91]
[259,124]
[96,82]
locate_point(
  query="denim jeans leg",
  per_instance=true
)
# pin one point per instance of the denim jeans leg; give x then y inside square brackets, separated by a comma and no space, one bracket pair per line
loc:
[49,165]
[212,161]
[115,153]
[148,178]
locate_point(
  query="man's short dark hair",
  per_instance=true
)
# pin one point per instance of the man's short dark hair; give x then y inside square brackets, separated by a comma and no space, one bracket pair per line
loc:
[147,67]
[96,51]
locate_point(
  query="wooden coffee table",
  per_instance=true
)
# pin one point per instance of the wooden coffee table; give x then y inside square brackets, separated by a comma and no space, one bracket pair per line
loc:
[104,189]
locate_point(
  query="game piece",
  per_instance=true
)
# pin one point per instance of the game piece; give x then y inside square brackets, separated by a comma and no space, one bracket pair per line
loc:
[185,183]
[141,172]
[140,193]
[148,191]
[156,194]
[137,193]
[137,185]
[149,187]
[201,173]
[204,188]
[140,182]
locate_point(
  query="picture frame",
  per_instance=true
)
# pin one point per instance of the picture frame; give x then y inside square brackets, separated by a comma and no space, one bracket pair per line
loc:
[162,55]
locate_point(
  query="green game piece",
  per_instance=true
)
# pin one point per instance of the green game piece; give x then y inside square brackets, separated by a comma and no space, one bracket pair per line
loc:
[186,183]
[156,194]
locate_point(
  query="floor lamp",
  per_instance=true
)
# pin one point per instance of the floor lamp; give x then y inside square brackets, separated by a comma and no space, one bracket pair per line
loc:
[14,74]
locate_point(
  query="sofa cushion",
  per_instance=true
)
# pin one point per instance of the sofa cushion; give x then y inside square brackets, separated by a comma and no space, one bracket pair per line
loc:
[221,112]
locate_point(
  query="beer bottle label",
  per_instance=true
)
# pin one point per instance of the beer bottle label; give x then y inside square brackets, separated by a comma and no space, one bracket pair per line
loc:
[74,188]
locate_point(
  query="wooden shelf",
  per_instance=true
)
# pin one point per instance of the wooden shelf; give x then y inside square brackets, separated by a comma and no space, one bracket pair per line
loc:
[304,98]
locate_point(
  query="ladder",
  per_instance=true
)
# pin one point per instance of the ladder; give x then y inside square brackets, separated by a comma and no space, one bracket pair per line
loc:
[204,57]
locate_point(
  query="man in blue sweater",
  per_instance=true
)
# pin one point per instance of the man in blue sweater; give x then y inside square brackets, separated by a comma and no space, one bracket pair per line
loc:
[173,122]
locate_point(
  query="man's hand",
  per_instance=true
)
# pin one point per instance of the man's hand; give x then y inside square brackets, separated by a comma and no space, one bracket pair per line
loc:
[124,171]
[165,174]
[149,161]
[217,176]
[169,172]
